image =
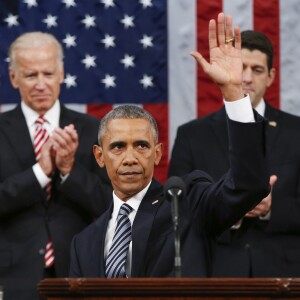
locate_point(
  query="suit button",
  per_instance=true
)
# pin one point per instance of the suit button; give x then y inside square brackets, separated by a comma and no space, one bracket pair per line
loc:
[41,251]
[247,246]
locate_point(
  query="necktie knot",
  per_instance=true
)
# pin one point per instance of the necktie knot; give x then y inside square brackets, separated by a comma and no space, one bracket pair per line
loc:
[40,120]
[125,210]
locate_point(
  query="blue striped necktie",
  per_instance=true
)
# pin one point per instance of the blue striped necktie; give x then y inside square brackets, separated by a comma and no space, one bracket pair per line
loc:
[117,254]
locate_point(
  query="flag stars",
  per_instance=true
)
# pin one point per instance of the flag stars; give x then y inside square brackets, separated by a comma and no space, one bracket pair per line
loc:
[69,40]
[70,81]
[89,61]
[146,41]
[108,41]
[50,21]
[146,81]
[127,21]
[69,3]
[127,61]
[108,3]
[146,3]
[89,21]
[30,3]
[11,20]
[109,81]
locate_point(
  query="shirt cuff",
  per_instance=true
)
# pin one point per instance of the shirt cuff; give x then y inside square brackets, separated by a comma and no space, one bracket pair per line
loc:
[240,110]
[267,217]
[63,177]
[42,178]
[237,225]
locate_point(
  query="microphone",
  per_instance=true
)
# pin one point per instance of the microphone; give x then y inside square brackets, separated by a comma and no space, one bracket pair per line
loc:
[174,191]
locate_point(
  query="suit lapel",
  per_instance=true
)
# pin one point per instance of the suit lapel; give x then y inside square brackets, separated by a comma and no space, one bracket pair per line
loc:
[18,136]
[272,127]
[142,225]
[68,117]
[97,248]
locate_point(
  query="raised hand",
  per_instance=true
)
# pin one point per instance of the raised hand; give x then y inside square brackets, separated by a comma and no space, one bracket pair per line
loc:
[225,66]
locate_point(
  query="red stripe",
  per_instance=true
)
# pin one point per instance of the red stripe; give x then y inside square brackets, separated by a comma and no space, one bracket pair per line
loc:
[209,96]
[49,254]
[266,20]
[160,113]
[98,110]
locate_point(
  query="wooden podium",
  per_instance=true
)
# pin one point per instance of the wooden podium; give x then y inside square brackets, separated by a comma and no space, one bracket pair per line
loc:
[169,288]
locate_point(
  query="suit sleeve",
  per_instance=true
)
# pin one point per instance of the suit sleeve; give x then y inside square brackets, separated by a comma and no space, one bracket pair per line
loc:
[217,206]
[90,191]
[20,191]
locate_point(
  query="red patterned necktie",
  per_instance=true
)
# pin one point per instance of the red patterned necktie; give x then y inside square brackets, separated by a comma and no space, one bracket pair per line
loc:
[40,138]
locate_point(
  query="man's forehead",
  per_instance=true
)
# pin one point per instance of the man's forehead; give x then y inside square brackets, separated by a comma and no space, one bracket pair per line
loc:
[138,128]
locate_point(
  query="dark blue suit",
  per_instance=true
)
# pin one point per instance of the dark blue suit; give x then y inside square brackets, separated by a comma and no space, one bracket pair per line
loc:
[259,248]
[206,210]
[25,214]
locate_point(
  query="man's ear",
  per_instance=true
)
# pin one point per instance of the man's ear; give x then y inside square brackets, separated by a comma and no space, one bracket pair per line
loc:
[13,79]
[158,153]
[61,74]
[98,153]
[272,75]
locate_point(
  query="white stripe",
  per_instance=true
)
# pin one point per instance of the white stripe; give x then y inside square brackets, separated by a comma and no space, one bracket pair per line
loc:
[182,67]
[49,261]
[49,253]
[241,12]
[290,53]
[77,107]
[6,107]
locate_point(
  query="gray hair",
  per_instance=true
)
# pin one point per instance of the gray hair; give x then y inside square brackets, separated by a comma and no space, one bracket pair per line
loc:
[127,112]
[32,40]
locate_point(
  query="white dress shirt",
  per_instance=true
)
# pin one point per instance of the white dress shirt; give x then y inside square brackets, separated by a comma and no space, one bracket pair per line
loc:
[52,118]
[134,202]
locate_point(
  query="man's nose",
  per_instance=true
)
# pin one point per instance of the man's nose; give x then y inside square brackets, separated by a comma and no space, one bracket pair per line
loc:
[247,75]
[40,82]
[130,157]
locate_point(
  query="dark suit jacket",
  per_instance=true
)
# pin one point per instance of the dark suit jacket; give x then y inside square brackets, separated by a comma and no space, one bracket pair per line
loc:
[206,210]
[258,248]
[25,215]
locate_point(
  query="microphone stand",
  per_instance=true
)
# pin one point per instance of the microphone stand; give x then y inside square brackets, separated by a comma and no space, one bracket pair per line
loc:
[175,215]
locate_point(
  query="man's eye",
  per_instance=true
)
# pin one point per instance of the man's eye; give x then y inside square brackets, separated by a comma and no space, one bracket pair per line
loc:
[258,71]
[143,145]
[117,146]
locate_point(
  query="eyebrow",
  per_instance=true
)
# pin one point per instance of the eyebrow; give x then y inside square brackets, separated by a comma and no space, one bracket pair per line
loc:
[116,143]
[142,142]
[121,143]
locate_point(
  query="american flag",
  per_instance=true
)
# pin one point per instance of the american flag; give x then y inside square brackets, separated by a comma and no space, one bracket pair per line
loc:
[137,51]
[115,51]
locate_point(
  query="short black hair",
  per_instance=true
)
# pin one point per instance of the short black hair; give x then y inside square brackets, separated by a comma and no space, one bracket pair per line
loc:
[255,40]
[127,111]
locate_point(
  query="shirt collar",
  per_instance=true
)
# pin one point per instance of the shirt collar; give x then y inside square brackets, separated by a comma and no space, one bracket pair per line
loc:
[261,107]
[134,201]
[52,115]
